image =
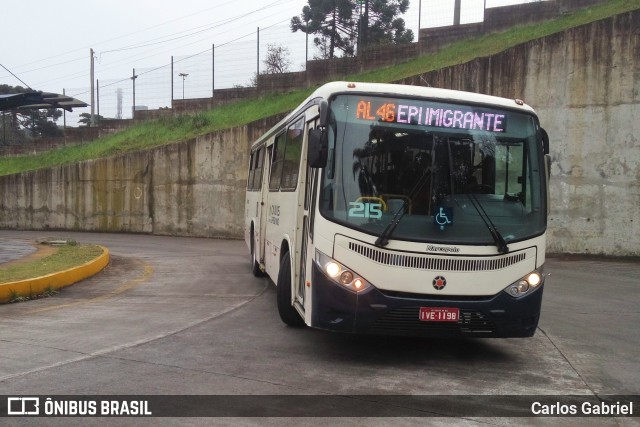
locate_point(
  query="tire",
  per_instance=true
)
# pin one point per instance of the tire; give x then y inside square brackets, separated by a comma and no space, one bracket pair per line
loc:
[288,313]
[255,266]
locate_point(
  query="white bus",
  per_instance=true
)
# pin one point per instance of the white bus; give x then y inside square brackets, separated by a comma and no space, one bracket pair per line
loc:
[402,210]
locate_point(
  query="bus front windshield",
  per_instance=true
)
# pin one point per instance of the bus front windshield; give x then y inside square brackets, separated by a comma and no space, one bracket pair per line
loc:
[442,172]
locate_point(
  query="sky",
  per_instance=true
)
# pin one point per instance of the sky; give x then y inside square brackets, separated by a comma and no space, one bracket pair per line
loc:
[47,44]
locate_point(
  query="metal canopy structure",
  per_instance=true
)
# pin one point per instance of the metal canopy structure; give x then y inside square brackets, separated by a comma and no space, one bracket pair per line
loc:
[38,100]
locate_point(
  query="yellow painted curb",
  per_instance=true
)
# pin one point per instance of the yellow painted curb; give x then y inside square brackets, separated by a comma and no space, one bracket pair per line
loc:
[60,279]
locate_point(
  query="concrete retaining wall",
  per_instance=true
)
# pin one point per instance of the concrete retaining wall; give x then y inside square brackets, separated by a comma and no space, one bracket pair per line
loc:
[584,83]
[194,188]
[500,19]
[585,86]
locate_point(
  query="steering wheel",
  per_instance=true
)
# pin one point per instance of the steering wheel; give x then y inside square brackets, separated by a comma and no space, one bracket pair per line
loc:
[373,199]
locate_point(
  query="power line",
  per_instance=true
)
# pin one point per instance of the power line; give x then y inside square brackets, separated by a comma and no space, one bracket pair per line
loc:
[137,57]
[127,34]
[209,27]
[234,58]
[28,87]
[152,42]
[202,52]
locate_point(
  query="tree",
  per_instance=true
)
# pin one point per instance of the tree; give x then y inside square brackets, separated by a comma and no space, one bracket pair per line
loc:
[380,23]
[85,119]
[332,21]
[6,89]
[277,60]
[339,22]
[38,124]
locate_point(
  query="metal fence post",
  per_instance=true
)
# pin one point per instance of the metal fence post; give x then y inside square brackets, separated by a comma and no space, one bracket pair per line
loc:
[213,69]
[133,109]
[171,81]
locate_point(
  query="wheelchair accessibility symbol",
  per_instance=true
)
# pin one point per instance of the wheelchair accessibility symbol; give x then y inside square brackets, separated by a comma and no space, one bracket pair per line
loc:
[444,217]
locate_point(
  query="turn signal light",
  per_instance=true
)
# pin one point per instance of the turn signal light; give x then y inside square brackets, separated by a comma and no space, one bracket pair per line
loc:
[346,277]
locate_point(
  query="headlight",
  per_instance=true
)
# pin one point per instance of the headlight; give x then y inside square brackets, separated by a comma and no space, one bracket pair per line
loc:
[340,274]
[525,285]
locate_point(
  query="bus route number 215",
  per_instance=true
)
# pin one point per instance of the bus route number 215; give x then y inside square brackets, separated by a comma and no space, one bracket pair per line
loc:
[365,210]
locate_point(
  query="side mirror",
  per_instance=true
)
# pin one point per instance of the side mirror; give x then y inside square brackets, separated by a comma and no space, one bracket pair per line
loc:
[324,112]
[545,141]
[547,169]
[317,149]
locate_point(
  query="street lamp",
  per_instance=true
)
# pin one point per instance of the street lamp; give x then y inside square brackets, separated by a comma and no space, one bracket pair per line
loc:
[184,76]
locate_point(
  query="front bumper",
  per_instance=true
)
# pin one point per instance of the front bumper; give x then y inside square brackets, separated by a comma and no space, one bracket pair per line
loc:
[377,312]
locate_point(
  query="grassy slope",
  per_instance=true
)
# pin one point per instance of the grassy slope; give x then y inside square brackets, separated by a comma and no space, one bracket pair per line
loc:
[168,130]
[490,44]
[65,257]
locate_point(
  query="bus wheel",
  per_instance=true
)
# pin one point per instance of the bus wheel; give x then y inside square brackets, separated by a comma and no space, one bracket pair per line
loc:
[255,266]
[288,313]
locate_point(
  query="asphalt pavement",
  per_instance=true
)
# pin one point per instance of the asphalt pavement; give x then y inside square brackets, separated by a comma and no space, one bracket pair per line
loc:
[12,249]
[184,316]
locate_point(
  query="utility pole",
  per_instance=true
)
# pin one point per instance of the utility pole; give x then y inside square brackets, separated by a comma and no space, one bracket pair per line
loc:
[133,109]
[456,12]
[258,56]
[93,119]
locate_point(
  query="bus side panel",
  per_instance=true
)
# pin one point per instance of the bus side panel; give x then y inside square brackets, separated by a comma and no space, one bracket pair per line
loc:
[281,209]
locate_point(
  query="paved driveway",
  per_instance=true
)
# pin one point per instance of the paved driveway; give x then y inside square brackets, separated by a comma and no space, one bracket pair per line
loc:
[185,316]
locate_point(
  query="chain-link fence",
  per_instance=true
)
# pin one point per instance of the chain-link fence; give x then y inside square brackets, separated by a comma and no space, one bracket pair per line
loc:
[236,62]
[233,63]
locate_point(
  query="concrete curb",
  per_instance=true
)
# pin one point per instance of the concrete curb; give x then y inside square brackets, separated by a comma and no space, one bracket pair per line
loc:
[60,279]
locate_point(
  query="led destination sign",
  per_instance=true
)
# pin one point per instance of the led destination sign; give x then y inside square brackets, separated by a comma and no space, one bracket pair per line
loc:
[431,114]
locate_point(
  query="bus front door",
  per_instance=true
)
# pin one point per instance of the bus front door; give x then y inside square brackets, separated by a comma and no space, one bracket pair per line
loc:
[261,236]
[305,234]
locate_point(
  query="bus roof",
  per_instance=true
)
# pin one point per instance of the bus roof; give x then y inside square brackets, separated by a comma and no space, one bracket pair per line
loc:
[398,90]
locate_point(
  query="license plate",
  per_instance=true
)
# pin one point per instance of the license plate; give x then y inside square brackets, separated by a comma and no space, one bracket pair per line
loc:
[439,314]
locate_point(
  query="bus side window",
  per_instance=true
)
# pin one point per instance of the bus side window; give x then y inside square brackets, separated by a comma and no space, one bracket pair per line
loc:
[292,153]
[257,179]
[251,171]
[276,163]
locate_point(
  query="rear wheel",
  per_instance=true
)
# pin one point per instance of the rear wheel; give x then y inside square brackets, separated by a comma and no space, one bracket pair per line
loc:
[288,313]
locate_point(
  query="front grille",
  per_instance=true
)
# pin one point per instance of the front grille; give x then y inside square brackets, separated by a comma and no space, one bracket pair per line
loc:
[413,295]
[404,321]
[439,263]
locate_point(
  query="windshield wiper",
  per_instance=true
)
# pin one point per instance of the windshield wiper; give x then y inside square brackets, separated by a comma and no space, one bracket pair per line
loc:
[383,239]
[501,244]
